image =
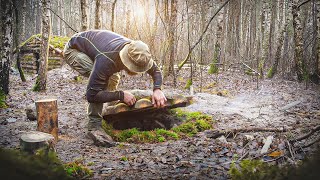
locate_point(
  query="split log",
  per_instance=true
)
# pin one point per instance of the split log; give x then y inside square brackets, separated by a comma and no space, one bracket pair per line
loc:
[144,103]
[34,140]
[47,116]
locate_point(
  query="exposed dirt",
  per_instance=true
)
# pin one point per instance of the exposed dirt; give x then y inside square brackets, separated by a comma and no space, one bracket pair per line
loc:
[144,121]
[277,103]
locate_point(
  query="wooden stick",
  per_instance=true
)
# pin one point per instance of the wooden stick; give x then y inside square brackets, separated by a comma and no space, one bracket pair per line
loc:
[229,133]
[255,72]
[315,129]
[290,149]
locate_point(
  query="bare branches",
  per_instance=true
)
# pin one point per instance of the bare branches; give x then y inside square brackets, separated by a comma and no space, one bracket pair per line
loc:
[201,36]
[303,3]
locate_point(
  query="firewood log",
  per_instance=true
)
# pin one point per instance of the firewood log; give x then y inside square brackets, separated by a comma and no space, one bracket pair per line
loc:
[47,116]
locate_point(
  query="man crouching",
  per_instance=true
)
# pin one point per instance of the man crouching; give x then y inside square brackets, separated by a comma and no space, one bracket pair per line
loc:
[100,55]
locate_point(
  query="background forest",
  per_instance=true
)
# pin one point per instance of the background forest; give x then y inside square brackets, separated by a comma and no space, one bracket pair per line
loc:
[270,36]
[250,69]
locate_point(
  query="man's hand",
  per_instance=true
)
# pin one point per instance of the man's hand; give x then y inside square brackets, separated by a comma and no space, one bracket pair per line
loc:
[129,98]
[158,98]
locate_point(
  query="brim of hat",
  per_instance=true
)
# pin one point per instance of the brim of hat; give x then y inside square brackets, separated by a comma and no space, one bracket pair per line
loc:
[132,67]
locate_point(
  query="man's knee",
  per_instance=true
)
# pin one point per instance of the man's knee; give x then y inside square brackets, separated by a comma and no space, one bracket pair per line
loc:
[79,61]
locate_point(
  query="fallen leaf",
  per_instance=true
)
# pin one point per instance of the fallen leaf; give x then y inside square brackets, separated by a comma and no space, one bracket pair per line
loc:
[275,154]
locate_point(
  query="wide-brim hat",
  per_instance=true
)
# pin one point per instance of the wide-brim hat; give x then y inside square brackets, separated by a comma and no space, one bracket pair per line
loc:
[136,56]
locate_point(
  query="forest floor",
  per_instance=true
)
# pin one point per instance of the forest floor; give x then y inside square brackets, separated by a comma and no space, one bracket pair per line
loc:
[232,98]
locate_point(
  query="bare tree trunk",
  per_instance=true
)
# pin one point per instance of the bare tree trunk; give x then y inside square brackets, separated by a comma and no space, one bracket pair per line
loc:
[237,30]
[38,17]
[253,31]
[271,31]
[128,14]
[58,19]
[23,22]
[166,62]
[41,83]
[97,24]
[63,26]
[6,45]
[16,39]
[314,67]
[84,17]
[223,42]
[280,40]
[297,33]
[318,36]
[112,14]
[172,34]
[154,29]
[35,20]
[263,51]
[190,81]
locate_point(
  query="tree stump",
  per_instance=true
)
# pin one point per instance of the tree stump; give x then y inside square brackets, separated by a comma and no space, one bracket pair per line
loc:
[34,140]
[47,115]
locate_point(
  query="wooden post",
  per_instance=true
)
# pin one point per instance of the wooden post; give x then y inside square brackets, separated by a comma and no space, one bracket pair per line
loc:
[47,115]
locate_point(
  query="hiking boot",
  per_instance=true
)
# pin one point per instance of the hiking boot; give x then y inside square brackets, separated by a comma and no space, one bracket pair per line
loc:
[100,138]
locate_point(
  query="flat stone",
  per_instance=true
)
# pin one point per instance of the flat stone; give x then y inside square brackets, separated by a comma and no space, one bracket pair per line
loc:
[11,120]
[101,138]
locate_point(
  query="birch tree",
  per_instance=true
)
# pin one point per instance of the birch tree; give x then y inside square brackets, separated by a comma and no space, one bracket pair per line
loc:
[97,22]
[6,45]
[84,17]
[297,35]
[41,82]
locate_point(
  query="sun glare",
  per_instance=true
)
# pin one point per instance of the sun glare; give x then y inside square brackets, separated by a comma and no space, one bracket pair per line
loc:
[139,12]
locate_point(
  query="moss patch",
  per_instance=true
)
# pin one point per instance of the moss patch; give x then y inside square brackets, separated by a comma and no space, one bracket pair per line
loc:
[190,124]
[78,170]
[28,58]
[135,136]
[258,170]
[59,41]
[3,103]
[248,169]
[19,165]
[188,84]
[123,158]
[270,72]
[213,69]
[36,86]
[56,41]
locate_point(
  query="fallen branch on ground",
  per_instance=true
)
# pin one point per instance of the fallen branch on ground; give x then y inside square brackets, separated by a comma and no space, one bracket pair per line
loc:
[255,73]
[230,133]
[315,129]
